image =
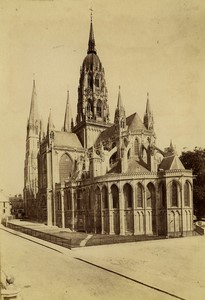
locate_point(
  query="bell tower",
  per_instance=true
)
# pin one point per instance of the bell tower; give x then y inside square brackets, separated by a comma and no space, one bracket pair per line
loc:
[92,108]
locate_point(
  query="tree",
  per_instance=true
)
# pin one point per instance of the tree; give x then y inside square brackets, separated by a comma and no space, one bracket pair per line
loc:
[195,160]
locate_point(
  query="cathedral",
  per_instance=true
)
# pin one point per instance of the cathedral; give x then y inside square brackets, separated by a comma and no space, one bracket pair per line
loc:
[101,174]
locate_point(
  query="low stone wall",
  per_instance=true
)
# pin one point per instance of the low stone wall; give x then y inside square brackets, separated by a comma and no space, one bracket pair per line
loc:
[42,235]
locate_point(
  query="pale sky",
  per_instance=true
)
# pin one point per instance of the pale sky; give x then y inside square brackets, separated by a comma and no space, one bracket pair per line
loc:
[155,46]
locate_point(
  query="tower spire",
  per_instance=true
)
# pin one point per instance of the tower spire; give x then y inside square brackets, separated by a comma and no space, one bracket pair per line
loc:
[67,119]
[119,101]
[91,41]
[33,116]
[148,117]
[148,109]
[120,118]
[50,125]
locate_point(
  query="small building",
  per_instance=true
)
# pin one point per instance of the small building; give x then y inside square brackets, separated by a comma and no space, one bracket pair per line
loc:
[5,207]
[17,206]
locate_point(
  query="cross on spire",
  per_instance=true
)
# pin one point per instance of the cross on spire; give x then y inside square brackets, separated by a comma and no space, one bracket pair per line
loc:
[91,42]
[91,14]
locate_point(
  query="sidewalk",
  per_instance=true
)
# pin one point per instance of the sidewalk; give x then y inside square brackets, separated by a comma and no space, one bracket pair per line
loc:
[174,265]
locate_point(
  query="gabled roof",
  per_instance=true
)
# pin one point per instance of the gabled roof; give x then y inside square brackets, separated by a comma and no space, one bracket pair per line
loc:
[171,163]
[107,133]
[133,166]
[66,139]
[134,122]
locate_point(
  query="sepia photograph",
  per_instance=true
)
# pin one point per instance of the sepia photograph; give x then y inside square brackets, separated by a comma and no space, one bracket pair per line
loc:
[102,148]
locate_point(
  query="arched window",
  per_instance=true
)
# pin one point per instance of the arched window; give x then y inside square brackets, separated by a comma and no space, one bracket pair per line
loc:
[115,196]
[80,203]
[186,194]
[97,81]
[162,195]
[150,192]
[99,108]
[113,159]
[58,200]
[139,195]
[174,194]
[97,199]
[43,201]
[65,168]
[89,109]
[105,197]
[127,191]
[144,155]
[89,202]
[136,147]
[90,80]
[68,200]
[128,154]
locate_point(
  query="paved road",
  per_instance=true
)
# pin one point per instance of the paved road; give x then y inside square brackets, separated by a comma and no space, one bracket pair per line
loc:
[43,273]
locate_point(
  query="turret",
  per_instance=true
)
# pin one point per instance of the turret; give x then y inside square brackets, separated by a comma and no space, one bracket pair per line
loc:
[148,117]
[50,125]
[67,119]
[120,117]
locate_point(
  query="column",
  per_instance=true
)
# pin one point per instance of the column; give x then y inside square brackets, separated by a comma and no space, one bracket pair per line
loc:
[121,210]
[145,210]
[94,208]
[102,213]
[62,209]
[134,209]
[72,208]
[156,208]
[110,211]
[49,208]
[181,203]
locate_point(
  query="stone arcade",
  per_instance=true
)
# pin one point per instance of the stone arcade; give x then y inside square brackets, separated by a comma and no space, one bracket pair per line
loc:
[104,177]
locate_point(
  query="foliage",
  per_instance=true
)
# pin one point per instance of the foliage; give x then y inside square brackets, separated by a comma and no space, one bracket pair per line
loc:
[195,160]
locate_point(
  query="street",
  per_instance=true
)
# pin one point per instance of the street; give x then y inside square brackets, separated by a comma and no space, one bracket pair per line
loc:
[44,273]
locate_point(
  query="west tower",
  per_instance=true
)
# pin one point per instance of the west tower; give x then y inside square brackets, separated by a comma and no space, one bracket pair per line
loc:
[31,165]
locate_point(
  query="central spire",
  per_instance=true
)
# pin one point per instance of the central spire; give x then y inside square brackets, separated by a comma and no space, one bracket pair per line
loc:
[91,42]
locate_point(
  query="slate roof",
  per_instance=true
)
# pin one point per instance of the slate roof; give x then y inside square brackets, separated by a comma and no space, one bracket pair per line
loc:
[133,122]
[66,139]
[171,163]
[133,167]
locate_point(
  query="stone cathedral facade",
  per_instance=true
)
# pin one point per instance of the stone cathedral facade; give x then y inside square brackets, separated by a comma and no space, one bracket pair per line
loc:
[101,174]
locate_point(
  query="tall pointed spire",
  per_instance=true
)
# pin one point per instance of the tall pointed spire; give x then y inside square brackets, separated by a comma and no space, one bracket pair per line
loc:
[120,117]
[119,101]
[33,116]
[67,120]
[148,117]
[91,42]
[148,109]
[50,125]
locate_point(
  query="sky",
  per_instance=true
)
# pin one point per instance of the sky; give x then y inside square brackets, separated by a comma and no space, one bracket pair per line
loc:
[154,46]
